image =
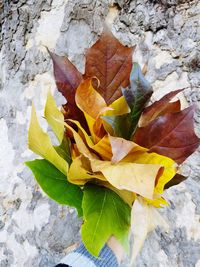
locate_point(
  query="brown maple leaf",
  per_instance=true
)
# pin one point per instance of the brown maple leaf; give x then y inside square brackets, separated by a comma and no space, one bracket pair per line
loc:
[111,63]
[171,135]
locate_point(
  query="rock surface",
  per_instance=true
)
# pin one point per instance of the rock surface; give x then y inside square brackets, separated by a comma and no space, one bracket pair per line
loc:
[34,231]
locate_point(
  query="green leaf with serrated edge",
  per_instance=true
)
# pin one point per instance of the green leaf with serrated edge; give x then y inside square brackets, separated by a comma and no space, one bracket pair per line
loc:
[136,97]
[64,150]
[54,183]
[105,214]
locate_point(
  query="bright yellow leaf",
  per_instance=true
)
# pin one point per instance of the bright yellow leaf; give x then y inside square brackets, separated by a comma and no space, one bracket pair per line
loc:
[81,146]
[102,147]
[119,107]
[40,143]
[157,202]
[52,115]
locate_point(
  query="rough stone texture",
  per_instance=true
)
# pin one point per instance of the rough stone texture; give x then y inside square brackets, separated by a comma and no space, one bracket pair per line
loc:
[34,231]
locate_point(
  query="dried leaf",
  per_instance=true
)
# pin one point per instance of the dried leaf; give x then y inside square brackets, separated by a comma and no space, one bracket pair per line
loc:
[80,172]
[144,219]
[160,107]
[67,79]
[171,135]
[66,75]
[137,178]
[89,100]
[121,148]
[111,63]
[163,177]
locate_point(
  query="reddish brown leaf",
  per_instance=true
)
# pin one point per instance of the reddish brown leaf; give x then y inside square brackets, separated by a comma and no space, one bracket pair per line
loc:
[160,107]
[111,63]
[177,179]
[171,135]
[68,79]
[66,75]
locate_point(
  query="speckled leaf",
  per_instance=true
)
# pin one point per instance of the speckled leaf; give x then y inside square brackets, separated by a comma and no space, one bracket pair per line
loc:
[111,63]
[105,214]
[171,135]
[54,183]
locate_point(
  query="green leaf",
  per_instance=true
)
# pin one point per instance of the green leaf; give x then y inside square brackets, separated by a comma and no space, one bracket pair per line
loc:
[54,183]
[105,214]
[136,97]
[120,125]
[64,150]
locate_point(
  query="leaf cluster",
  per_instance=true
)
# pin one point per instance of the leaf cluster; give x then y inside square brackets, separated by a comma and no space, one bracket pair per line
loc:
[115,152]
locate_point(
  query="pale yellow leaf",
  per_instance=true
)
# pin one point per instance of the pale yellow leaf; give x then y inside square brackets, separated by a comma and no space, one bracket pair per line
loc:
[144,219]
[137,178]
[40,143]
[122,147]
[169,167]
[52,115]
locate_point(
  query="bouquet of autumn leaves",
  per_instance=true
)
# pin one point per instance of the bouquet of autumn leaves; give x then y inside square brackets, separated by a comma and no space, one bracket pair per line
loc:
[115,156]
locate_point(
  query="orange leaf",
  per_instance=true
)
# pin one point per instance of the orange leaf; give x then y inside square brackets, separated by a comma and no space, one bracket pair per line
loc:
[89,100]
